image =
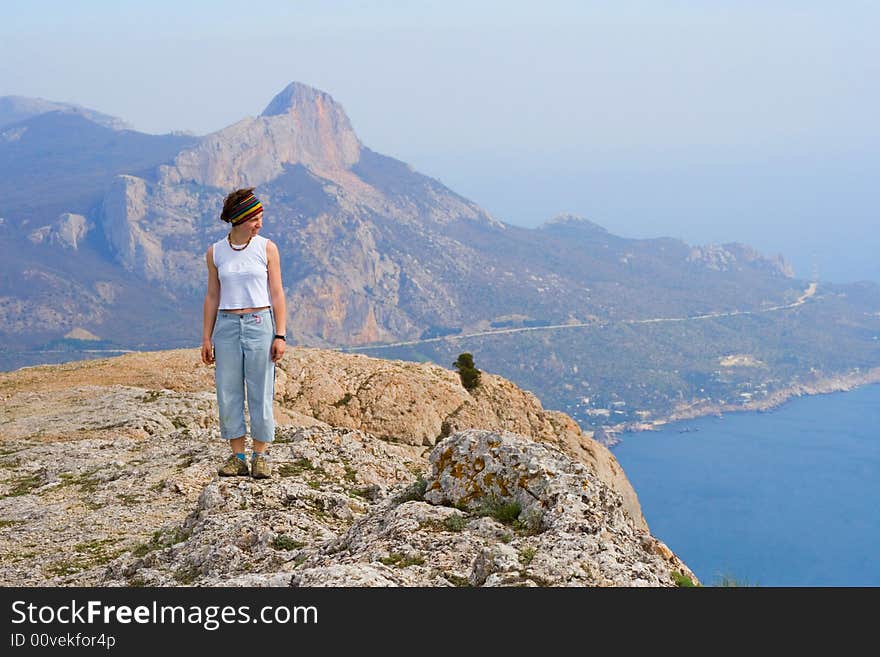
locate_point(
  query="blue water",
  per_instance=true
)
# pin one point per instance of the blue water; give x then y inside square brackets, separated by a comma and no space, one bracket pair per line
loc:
[789,497]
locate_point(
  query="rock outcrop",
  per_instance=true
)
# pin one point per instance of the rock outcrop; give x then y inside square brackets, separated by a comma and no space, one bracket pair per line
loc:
[66,232]
[731,256]
[499,510]
[126,226]
[113,462]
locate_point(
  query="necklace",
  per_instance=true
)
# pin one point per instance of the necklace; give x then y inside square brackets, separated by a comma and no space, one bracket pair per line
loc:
[240,248]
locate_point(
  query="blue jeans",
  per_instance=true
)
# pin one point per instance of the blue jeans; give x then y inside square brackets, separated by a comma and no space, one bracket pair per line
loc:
[242,354]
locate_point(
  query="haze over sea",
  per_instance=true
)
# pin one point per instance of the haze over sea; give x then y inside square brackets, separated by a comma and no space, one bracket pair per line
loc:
[780,498]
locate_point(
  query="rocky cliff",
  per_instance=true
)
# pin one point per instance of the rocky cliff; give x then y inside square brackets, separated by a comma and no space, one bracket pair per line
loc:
[386,473]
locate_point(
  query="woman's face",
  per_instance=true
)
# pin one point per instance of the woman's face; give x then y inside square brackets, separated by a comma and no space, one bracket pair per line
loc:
[252,226]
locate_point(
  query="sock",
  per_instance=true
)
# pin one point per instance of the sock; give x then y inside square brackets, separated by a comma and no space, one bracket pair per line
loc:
[240,455]
[255,454]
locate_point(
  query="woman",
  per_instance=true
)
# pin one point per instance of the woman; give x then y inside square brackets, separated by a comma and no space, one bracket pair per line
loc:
[245,319]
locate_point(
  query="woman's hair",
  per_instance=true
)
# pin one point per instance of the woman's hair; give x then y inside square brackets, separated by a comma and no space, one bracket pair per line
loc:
[233,199]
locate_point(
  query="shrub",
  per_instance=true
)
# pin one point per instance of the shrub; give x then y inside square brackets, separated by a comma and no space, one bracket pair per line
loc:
[415,492]
[506,512]
[467,372]
[527,554]
[282,542]
[455,523]
[403,561]
[682,580]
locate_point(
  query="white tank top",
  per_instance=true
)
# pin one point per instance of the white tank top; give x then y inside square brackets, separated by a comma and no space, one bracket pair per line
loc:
[244,275]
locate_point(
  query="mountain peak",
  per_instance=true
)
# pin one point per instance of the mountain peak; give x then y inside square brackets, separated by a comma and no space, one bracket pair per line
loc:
[301,125]
[295,96]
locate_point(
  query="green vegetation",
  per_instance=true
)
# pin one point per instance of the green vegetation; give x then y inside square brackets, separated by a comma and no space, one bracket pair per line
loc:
[682,580]
[402,561]
[25,484]
[160,540]
[10,523]
[282,542]
[366,493]
[455,523]
[506,512]
[87,555]
[456,580]
[415,492]
[63,567]
[526,555]
[186,574]
[86,482]
[300,466]
[347,397]
[467,372]
[129,499]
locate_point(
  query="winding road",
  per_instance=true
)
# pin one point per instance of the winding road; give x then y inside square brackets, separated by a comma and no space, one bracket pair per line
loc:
[809,292]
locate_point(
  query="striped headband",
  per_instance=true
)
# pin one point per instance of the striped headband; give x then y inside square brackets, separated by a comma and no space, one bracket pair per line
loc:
[245,210]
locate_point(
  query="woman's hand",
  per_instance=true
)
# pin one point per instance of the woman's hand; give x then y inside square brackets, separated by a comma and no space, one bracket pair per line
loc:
[278,346]
[207,352]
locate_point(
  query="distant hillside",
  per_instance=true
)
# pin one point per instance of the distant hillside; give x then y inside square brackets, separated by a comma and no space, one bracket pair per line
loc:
[62,161]
[20,108]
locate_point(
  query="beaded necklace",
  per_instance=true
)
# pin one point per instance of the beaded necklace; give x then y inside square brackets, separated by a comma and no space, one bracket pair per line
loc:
[241,248]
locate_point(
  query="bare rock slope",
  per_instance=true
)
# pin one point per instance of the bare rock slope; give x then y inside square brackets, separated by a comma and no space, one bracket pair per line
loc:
[386,473]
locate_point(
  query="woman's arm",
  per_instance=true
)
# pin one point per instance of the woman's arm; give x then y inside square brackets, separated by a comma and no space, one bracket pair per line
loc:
[212,303]
[276,294]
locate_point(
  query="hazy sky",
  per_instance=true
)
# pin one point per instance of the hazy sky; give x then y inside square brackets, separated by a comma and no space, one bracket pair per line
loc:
[712,121]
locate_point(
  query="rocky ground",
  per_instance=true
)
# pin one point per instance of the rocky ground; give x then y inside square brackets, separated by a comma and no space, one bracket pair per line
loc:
[386,473]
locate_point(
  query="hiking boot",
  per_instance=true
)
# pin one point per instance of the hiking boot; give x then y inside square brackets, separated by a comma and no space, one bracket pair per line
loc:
[234,467]
[260,467]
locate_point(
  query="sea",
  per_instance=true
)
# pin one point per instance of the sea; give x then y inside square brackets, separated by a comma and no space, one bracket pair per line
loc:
[787,497]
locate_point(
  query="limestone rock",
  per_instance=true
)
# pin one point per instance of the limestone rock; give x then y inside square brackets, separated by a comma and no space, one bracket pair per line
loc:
[266,528]
[525,514]
[126,226]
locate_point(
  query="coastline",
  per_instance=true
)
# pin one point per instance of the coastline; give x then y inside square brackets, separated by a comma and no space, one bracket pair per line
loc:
[821,386]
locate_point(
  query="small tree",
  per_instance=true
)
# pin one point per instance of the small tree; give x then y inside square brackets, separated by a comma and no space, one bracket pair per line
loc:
[470,375]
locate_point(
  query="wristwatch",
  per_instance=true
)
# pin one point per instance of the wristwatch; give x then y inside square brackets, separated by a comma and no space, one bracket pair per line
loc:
[280,337]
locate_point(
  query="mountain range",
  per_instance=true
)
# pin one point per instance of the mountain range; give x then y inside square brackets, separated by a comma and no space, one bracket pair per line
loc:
[104,231]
